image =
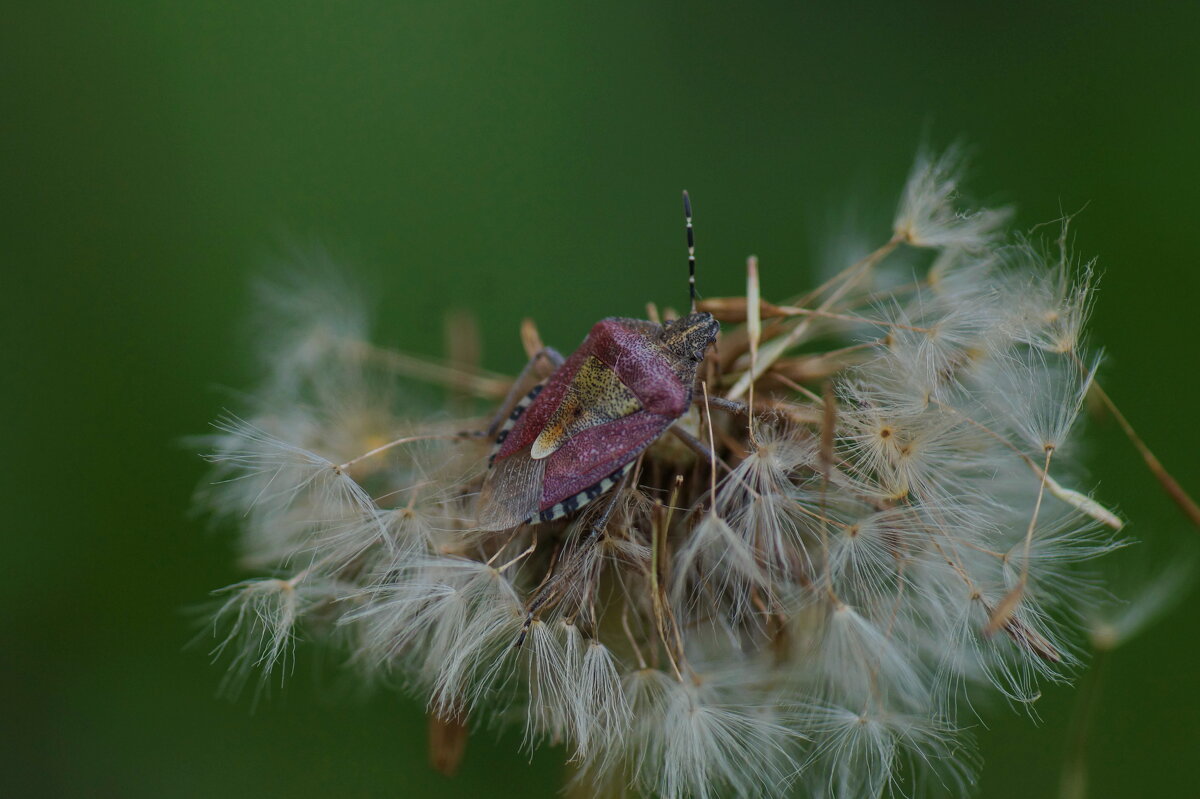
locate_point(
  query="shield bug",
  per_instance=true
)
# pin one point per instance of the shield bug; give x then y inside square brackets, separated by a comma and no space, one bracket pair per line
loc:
[576,434]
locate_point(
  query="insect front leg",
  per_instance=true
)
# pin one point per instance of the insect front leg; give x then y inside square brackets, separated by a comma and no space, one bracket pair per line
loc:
[732,406]
[767,413]
[697,446]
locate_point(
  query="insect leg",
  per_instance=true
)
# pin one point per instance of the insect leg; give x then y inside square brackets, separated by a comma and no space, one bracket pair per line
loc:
[733,406]
[552,590]
[697,446]
[596,529]
[766,414]
[519,387]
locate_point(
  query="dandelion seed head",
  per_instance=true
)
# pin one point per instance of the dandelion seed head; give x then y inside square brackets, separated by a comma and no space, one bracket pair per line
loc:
[809,594]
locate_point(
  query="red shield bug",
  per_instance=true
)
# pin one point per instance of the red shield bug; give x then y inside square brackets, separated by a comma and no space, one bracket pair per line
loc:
[575,435]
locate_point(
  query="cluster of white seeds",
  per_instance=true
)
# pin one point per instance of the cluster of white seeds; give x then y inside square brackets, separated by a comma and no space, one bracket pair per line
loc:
[897,527]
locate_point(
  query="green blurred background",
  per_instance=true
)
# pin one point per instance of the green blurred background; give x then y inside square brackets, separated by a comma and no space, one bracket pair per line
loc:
[510,159]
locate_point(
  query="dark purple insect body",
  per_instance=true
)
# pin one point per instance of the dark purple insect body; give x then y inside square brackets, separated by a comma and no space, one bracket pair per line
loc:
[574,436]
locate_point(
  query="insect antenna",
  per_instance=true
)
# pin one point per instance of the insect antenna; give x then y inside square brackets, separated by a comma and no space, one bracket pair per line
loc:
[691,245]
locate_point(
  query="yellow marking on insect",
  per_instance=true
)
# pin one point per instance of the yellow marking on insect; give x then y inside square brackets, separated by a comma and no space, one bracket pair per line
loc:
[595,396]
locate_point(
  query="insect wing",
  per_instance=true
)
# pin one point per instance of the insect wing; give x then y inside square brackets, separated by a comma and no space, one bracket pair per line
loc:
[512,492]
[531,419]
[575,472]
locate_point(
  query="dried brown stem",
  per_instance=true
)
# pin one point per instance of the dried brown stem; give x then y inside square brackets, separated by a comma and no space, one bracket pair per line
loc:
[1168,483]
[845,281]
